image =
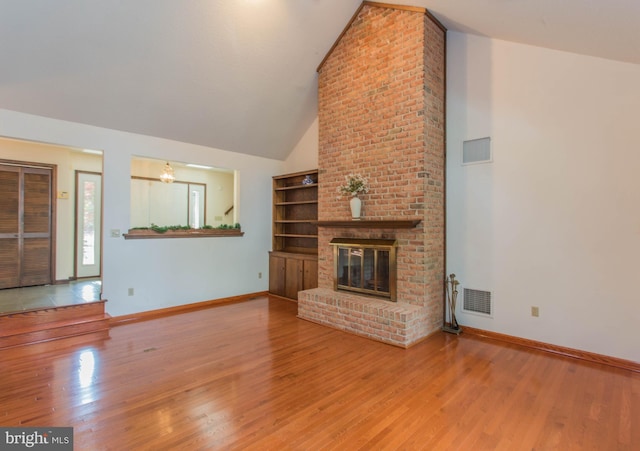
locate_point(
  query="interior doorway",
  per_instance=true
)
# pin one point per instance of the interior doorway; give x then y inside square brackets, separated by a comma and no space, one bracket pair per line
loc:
[64,163]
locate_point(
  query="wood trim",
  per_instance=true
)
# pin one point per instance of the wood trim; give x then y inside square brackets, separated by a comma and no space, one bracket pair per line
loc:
[415,9]
[560,350]
[160,313]
[444,183]
[27,164]
[32,318]
[372,224]
[295,174]
[437,23]
[76,196]
[296,255]
[53,227]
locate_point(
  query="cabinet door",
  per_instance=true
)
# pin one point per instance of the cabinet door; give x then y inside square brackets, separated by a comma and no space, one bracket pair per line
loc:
[310,275]
[293,278]
[277,275]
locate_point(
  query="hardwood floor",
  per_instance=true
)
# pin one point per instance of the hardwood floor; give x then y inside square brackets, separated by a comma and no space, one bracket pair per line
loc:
[252,376]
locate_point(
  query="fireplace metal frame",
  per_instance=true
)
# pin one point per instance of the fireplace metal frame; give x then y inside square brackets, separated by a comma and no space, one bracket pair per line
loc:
[377,245]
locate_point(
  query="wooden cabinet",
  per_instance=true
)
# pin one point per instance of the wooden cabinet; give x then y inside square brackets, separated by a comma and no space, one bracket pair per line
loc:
[310,273]
[293,263]
[290,273]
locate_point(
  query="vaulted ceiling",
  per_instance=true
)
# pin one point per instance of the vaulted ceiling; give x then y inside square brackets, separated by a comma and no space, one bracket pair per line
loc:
[239,75]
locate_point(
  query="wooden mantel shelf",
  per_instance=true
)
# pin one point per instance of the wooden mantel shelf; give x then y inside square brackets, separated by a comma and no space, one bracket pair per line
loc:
[372,223]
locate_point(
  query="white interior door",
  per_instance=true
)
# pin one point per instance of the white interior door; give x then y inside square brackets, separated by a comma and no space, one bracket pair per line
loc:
[88,224]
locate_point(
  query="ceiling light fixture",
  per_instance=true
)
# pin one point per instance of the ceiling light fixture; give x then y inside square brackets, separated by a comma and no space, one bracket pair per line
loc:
[198,166]
[91,151]
[167,175]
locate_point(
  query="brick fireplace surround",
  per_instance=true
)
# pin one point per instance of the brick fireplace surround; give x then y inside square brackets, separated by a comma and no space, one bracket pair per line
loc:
[381,93]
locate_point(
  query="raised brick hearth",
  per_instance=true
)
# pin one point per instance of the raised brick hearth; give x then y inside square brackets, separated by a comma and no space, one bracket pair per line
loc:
[396,324]
[381,114]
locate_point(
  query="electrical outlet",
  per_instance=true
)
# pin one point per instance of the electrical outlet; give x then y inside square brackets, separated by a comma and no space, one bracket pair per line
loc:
[130,291]
[115,233]
[535,311]
[259,275]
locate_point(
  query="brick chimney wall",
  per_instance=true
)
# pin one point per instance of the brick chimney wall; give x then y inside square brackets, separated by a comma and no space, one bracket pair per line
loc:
[381,114]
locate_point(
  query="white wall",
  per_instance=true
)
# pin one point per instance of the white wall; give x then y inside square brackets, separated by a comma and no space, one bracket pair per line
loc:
[305,155]
[166,272]
[554,221]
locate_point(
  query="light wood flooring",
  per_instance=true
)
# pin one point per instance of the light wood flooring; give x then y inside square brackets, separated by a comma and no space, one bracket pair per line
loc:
[251,375]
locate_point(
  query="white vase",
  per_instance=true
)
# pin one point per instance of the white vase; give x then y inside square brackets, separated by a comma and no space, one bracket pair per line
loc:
[356,206]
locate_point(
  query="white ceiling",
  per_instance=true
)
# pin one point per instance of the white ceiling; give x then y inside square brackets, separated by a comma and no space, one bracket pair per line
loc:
[239,75]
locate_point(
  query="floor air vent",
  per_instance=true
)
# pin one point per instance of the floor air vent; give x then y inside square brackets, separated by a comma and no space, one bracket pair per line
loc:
[477,301]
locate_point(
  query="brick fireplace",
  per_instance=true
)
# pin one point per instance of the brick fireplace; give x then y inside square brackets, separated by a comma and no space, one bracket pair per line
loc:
[381,114]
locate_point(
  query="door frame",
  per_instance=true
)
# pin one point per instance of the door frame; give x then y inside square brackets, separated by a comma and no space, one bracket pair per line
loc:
[54,190]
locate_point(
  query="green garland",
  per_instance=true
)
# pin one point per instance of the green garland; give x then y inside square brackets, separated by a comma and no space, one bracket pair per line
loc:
[164,229]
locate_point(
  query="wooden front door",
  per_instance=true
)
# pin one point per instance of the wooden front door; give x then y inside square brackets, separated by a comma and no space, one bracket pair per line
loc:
[25,226]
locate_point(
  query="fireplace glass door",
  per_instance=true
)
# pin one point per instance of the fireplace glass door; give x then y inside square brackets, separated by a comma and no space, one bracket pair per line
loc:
[365,267]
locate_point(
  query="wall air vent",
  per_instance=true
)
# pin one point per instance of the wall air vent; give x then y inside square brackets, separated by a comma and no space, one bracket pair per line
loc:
[476,151]
[476,301]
